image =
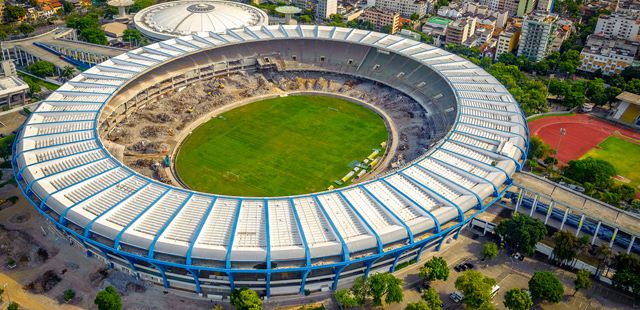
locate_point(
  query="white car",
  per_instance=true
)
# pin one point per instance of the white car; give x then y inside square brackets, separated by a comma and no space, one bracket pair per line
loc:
[456,296]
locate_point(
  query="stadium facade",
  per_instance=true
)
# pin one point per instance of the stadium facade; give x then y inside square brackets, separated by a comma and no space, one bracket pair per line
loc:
[279,245]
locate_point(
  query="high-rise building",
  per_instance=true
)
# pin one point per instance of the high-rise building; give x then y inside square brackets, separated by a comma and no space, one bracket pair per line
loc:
[303,4]
[460,30]
[538,32]
[618,25]
[545,5]
[381,17]
[609,54]
[2,15]
[406,7]
[519,8]
[326,8]
[508,40]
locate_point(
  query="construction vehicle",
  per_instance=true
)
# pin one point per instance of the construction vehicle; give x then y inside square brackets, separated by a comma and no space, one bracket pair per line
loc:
[171,133]
[189,110]
[210,95]
[221,86]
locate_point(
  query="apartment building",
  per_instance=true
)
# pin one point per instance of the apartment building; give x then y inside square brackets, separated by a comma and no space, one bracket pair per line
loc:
[508,39]
[406,7]
[326,8]
[539,29]
[519,8]
[618,25]
[460,30]
[380,17]
[607,53]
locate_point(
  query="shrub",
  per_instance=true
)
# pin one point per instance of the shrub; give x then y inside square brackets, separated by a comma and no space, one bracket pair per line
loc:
[11,262]
[68,295]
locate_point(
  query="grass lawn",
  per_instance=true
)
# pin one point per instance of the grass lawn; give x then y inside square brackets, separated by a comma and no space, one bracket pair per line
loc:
[550,115]
[40,82]
[283,146]
[623,155]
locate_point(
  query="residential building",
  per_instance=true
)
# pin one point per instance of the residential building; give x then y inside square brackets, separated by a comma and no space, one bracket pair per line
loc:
[607,53]
[8,68]
[352,15]
[409,34]
[491,4]
[460,30]
[520,8]
[406,7]
[545,5]
[563,33]
[508,39]
[2,14]
[381,17]
[303,4]
[538,32]
[629,7]
[326,8]
[618,25]
[435,23]
[449,12]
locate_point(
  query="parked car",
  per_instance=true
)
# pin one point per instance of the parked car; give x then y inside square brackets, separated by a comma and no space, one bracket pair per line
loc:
[422,287]
[521,257]
[457,268]
[516,256]
[469,265]
[456,296]
[475,236]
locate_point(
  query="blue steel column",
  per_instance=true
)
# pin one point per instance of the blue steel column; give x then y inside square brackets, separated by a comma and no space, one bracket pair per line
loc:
[266,220]
[132,261]
[337,271]
[233,235]
[196,278]
[480,206]
[396,258]
[63,215]
[87,230]
[163,272]
[306,246]
[369,263]
[435,220]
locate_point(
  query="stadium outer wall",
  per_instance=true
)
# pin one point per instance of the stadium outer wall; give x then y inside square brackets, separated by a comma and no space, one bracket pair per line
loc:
[316,273]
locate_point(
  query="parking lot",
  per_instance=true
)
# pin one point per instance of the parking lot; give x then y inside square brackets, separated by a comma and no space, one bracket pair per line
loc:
[511,273]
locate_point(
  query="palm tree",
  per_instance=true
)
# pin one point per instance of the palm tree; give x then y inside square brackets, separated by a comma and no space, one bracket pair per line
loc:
[67,72]
[604,255]
[565,244]
[580,247]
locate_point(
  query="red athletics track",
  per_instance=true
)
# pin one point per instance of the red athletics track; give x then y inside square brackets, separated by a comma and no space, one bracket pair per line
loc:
[583,133]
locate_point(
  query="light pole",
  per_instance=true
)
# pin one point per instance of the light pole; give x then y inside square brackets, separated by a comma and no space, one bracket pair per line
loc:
[562,133]
[7,289]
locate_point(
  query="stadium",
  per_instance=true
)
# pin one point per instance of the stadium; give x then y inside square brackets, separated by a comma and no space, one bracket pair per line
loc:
[210,244]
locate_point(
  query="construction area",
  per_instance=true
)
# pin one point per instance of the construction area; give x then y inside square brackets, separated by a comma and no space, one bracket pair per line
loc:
[150,135]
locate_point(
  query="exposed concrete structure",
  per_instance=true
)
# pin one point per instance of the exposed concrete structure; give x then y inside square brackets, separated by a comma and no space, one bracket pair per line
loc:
[12,91]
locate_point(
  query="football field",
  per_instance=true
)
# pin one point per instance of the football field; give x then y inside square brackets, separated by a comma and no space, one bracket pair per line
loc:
[283,146]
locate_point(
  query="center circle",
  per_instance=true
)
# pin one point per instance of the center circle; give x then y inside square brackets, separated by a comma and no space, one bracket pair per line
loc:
[201,8]
[284,146]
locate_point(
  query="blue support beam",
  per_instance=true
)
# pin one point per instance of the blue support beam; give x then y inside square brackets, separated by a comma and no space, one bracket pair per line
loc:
[173,216]
[345,250]
[396,256]
[265,29]
[301,230]
[106,257]
[116,245]
[200,226]
[460,213]
[87,230]
[266,222]
[441,242]
[458,233]
[409,233]
[232,282]
[50,134]
[380,246]
[337,271]
[163,272]
[284,31]
[304,275]
[233,235]
[435,220]
[369,263]
[196,278]
[191,44]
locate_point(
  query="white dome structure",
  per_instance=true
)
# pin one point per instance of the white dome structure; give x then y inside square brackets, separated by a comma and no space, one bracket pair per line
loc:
[173,19]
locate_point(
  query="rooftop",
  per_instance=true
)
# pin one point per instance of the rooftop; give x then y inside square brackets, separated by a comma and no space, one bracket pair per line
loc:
[11,84]
[629,97]
[439,20]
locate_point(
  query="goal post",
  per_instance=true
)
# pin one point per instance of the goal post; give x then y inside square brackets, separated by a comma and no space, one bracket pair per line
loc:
[333,109]
[233,174]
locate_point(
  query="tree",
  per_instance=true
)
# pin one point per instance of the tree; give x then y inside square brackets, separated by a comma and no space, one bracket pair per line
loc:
[596,92]
[486,62]
[15,13]
[517,299]
[138,5]
[507,58]
[431,297]
[68,7]
[476,289]
[95,36]
[386,29]
[625,280]
[108,299]
[360,291]
[538,148]
[569,62]
[41,68]
[559,88]
[565,244]
[345,298]
[523,231]
[582,282]
[533,164]
[490,250]
[337,18]
[419,305]
[544,284]
[596,171]
[598,74]
[33,87]
[385,285]
[3,35]
[588,188]
[245,299]
[611,93]
[435,269]
[131,35]
[13,306]
[26,29]
[68,295]
[415,16]
[304,19]
[67,72]
[635,204]
[110,12]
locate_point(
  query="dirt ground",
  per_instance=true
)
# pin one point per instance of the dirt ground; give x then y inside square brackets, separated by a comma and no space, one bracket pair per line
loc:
[151,133]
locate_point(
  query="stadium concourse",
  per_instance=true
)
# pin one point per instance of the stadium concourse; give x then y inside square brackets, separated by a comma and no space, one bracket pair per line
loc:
[210,244]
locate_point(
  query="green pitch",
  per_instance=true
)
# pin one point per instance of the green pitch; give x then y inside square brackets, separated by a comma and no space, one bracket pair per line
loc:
[622,154]
[277,147]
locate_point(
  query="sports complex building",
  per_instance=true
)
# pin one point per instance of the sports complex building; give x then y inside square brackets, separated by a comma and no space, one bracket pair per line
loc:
[209,243]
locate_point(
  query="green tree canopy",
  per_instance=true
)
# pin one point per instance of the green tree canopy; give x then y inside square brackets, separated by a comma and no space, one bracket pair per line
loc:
[507,58]
[13,306]
[3,35]
[544,284]
[139,5]
[245,299]
[517,299]
[490,250]
[14,13]
[68,7]
[110,12]
[431,297]
[41,68]
[582,282]
[131,35]
[26,29]
[435,269]
[386,29]
[559,88]
[95,36]
[596,171]
[569,62]
[522,231]
[385,285]
[419,305]
[304,19]
[538,148]
[345,298]
[565,244]
[108,299]
[415,16]
[476,289]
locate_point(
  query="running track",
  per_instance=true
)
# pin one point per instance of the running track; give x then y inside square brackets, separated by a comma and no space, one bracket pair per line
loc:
[583,133]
